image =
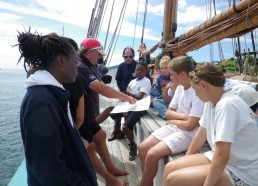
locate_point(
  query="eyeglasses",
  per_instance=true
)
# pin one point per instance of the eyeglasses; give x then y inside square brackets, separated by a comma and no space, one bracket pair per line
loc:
[128,56]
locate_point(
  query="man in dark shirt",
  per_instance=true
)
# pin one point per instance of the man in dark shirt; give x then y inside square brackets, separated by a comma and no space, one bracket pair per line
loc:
[91,52]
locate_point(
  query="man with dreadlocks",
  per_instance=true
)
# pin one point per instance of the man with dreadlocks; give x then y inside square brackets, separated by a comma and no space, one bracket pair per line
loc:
[54,152]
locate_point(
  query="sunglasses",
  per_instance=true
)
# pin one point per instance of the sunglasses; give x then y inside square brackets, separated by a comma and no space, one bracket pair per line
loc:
[128,56]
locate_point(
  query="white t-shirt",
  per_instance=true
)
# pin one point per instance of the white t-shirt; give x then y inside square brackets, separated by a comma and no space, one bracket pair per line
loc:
[185,101]
[243,90]
[143,85]
[170,92]
[231,120]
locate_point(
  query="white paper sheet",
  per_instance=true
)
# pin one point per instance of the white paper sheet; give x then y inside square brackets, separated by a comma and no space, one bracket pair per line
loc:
[123,106]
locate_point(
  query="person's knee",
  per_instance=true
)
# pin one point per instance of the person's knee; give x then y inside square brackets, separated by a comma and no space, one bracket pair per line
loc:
[91,148]
[170,167]
[143,149]
[170,179]
[100,136]
[153,155]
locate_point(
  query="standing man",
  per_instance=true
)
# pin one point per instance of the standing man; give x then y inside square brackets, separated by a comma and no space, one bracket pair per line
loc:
[91,51]
[125,73]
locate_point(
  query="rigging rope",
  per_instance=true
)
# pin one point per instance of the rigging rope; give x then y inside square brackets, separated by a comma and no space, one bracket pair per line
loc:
[95,21]
[105,8]
[135,22]
[222,26]
[110,18]
[114,34]
[118,34]
[92,20]
[144,20]
[209,15]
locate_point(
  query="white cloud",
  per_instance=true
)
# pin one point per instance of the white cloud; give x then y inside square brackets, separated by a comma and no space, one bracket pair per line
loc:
[74,12]
[77,13]
[8,38]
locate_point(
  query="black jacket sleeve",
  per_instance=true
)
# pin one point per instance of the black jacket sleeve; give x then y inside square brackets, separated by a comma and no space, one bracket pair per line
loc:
[119,78]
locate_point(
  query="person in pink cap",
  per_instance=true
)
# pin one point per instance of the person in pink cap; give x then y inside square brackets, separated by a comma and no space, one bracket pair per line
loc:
[90,53]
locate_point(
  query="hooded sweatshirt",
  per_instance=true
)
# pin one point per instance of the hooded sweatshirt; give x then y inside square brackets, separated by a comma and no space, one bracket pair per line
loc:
[54,152]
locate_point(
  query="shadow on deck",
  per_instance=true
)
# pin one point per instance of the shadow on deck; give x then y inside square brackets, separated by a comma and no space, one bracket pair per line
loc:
[118,150]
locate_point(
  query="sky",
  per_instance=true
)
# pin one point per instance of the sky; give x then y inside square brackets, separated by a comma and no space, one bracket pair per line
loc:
[71,19]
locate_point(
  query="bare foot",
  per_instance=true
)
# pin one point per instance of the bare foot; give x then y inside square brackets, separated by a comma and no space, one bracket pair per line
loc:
[118,172]
[113,181]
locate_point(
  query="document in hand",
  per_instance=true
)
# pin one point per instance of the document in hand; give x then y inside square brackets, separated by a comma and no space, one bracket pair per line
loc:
[123,106]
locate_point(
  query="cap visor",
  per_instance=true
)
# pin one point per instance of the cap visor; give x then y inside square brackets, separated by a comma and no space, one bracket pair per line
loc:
[102,52]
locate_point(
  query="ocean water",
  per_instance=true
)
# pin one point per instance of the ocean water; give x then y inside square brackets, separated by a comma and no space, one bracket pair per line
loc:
[12,91]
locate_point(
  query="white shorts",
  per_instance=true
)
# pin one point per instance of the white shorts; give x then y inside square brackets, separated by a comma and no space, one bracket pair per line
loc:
[176,140]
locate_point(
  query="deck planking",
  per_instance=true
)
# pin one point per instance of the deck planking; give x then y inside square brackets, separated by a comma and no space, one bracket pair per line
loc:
[119,150]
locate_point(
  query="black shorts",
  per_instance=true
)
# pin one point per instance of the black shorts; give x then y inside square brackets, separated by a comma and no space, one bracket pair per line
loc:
[88,130]
[132,119]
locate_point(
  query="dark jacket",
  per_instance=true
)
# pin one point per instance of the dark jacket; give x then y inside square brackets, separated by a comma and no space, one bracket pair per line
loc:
[159,88]
[54,152]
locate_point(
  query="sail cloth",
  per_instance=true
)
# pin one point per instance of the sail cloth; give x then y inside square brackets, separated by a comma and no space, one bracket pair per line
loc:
[233,22]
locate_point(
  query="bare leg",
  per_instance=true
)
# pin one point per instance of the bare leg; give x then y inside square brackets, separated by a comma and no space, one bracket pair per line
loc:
[101,146]
[100,169]
[144,147]
[151,162]
[190,170]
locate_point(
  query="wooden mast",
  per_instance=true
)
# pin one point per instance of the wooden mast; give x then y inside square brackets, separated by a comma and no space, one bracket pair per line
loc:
[170,20]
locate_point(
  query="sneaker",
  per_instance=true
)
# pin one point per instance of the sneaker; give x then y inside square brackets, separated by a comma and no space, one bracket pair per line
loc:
[120,135]
[132,152]
[113,136]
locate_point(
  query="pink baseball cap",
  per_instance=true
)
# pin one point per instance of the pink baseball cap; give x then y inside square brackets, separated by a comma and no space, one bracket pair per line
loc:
[93,44]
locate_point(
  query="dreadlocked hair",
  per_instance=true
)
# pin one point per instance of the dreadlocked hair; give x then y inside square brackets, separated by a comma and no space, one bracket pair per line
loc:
[40,51]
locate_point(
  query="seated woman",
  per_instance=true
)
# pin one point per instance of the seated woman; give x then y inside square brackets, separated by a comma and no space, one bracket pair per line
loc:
[162,93]
[229,125]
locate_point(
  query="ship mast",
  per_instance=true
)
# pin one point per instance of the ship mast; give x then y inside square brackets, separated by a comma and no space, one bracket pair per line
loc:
[170,20]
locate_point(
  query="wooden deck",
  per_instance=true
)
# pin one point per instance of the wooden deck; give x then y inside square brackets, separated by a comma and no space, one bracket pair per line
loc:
[118,150]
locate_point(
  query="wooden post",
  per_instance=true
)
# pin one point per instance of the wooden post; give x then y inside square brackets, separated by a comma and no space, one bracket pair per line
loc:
[170,18]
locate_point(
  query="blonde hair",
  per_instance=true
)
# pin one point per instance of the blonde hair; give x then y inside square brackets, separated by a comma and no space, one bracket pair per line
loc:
[164,60]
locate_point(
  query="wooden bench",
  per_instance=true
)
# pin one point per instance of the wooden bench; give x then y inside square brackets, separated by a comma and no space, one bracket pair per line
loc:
[149,123]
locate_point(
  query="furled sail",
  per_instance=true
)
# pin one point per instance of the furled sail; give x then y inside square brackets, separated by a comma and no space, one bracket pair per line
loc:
[233,22]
